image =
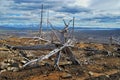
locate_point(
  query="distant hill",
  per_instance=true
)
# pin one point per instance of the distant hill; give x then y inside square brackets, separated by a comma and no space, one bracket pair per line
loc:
[94,28]
[57,28]
[17,28]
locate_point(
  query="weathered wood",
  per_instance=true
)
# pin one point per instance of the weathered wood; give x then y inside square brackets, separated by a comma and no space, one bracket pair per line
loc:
[73,27]
[62,38]
[57,60]
[36,47]
[39,38]
[47,18]
[48,55]
[68,51]
[111,40]
[64,32]
[40,35]
[53,30]
[63,46]
[22,54]
[66,25]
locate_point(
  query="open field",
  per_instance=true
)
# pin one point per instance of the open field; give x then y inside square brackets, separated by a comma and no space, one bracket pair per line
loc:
[98,59]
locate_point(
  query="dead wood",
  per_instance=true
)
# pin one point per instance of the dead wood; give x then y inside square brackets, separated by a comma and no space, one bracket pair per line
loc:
[69,52]
[48,55]
[36,47]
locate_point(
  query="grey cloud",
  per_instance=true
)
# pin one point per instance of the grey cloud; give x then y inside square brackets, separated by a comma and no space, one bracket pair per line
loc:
[107,19]
[73,10]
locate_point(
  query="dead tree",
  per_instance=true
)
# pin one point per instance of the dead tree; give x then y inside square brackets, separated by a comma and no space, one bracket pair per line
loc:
[111,40]
[57,50]
[63,46]
[40,35]
[67,50]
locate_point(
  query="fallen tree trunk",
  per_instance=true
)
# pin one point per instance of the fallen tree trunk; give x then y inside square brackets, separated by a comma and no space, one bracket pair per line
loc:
[38,38]
[36,47]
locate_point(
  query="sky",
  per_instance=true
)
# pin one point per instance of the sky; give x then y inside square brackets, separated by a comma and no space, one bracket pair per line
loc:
[87,13]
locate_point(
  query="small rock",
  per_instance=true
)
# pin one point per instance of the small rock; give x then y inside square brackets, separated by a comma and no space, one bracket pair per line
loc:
[45,75]
[12,61]
[66,76]
[14,69]
[23,61]
[90,73]
[4,70]
[9,60]
[52,59]
[20,65]
[4,65]
[9,69]
[66,70]
[107,76]
[42,63]
[115,49]
[30,55]
[65,63]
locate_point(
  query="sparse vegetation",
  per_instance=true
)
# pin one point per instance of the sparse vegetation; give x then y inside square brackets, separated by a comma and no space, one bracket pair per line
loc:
[98,65]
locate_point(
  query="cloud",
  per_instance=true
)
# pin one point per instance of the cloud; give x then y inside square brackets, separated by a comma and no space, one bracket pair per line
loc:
[87,12]
[28,1]
[105,4]
[73,9]
[83,3]
[107,19]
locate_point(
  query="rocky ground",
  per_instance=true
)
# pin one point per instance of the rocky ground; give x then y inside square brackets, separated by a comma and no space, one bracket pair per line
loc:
[97,62]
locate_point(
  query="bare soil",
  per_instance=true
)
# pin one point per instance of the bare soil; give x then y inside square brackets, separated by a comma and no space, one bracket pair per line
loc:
[96,66]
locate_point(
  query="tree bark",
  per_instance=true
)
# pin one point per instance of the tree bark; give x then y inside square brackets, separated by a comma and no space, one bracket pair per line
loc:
[69,52]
